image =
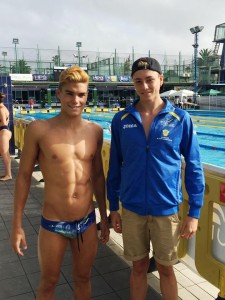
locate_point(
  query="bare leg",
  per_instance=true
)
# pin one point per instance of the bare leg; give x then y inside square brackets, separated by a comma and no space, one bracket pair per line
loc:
[138,279]
[7,163]
[168,282]
[83,261]
[51,249]
[5,136]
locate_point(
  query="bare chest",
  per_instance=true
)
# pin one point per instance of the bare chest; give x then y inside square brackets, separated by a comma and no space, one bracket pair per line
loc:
[147,120]
[66,148]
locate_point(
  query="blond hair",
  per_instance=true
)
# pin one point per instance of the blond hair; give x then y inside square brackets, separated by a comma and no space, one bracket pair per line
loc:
[73,74]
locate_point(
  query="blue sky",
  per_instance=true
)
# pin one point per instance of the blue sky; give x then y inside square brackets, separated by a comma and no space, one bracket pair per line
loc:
[161,26]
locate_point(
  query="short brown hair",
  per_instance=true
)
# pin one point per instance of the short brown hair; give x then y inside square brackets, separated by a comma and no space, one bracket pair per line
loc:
[2,96]
[73,74]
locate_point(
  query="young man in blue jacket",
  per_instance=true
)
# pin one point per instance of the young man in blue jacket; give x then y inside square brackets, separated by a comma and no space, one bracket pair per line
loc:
[148,141]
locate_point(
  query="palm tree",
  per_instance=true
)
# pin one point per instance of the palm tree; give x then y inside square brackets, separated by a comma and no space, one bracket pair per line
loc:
[207,58]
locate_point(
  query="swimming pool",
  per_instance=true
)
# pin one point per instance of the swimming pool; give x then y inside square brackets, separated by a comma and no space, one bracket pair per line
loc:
[210,127]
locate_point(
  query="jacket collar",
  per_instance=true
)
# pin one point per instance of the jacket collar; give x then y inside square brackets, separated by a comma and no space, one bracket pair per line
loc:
[132,109]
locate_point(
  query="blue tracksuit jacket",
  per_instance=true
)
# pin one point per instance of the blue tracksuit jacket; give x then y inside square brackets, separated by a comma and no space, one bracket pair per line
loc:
[145,173]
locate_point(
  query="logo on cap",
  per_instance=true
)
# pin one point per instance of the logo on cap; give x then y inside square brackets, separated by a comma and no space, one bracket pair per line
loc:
[143,64]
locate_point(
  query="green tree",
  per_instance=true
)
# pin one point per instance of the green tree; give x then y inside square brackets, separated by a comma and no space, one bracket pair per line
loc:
[207,58]
[21,67]
[127,66]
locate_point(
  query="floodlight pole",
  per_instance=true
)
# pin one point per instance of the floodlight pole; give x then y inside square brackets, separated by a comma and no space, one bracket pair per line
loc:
[4,54]
[195,30]
[15,42]
[195,45]
[79,44]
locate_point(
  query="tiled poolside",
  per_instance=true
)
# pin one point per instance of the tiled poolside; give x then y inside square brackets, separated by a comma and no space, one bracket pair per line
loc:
[110,276]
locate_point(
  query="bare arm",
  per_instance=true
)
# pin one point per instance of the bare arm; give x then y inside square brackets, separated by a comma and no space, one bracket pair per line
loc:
[98,179]
[22,186]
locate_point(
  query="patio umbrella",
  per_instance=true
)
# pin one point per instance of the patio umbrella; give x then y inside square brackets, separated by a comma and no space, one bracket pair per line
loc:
[168,93]
[210,92]
[182,93]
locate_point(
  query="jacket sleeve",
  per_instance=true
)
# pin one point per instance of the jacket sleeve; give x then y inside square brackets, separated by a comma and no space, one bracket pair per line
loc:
[115,163]
[194,175]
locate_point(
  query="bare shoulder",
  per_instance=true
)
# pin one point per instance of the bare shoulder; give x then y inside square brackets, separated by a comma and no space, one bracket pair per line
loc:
[37,127]
[94,127]
[37,124]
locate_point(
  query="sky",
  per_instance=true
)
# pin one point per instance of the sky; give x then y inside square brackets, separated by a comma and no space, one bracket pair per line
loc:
[158,26]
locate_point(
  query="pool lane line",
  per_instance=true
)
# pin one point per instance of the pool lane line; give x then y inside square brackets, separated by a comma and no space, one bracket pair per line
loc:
[211,134]
[212,147]
[209,126]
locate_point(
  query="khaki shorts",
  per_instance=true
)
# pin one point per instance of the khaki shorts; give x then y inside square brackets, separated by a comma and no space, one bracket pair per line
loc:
[139,230]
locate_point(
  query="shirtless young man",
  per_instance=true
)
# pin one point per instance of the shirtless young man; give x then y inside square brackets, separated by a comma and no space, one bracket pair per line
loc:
[5,136]
[68,149]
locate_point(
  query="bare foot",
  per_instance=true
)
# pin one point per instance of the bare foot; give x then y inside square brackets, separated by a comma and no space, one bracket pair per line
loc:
[5,178]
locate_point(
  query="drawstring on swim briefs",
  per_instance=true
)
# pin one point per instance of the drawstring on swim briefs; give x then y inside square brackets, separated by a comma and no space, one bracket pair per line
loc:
[79,234]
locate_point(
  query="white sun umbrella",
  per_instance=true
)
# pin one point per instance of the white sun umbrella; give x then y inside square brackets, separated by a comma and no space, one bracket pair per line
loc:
[168,93]
[184,93]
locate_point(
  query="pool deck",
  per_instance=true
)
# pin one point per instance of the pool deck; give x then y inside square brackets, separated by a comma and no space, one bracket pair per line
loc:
[19,276]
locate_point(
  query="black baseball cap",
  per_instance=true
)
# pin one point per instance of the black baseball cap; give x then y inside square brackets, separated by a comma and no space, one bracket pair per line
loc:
[146,63]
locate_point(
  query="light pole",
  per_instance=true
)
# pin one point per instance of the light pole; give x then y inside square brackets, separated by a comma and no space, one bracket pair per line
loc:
[82,59]
[78,45]
[195,30]
[4,54]
[15,42]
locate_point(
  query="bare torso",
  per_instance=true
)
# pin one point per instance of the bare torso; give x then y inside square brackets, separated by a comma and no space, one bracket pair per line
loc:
[65,158]
[4,115]
[4,121]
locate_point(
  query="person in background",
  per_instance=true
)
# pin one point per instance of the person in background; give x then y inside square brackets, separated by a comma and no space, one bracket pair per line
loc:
[185,102]
[68,150]
[31,103]
[176,101]
[181,103]
[5,136]
[148,141]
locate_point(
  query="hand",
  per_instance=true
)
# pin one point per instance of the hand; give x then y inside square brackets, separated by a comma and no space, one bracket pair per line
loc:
[189,228]
[116,221]
[104,226]
[18,240]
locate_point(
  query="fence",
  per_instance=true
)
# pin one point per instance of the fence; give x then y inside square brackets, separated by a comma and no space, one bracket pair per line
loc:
[42,61]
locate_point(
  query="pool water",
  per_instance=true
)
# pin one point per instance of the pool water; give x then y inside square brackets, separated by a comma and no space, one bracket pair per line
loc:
[210,129]
[213,157]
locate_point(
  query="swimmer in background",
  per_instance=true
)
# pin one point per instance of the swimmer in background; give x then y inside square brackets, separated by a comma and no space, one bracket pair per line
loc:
[108,126]
[5,136]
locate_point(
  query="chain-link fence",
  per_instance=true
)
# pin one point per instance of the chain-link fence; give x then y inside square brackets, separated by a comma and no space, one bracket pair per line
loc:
[176,68]
[43,61]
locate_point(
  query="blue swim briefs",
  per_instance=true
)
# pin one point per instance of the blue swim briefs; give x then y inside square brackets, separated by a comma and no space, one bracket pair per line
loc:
[72,229]
[4,127]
